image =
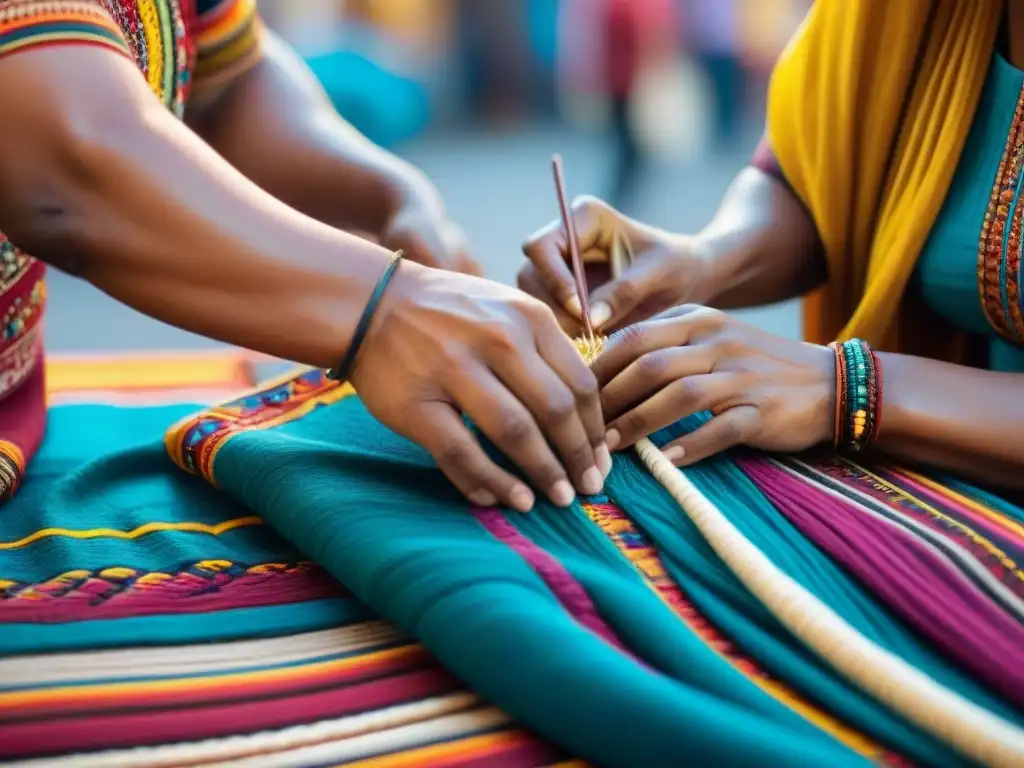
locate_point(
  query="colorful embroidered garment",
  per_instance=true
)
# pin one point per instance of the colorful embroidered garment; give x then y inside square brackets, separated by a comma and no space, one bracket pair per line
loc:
[169,623]
[172,42]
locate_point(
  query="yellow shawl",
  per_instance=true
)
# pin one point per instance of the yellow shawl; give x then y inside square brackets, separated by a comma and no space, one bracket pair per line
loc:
[868,111]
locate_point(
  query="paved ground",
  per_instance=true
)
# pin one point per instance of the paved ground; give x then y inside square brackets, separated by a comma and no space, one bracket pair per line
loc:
[498,186]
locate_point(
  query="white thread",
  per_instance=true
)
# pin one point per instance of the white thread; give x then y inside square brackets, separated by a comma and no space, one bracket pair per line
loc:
[367,731]
[972,730]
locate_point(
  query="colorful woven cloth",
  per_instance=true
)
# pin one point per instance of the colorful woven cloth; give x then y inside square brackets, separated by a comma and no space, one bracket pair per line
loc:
[171,623]
[146,614]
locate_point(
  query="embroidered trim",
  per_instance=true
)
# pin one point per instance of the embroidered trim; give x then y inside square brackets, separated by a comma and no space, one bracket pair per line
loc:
[121,592]
[149,16]
[185,526]
[999,250]
[22,314]
[182,59]
[638,550]
[995,560]
[13,263]
[39,22]
[126,14]
[227,43]
[20,359]
[194,442]
[12,468]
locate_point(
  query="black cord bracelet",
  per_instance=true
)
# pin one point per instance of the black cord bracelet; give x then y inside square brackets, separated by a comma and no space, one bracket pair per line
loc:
[344,368]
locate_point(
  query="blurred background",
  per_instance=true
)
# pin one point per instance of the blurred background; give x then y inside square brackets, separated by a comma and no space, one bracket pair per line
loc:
[480,93]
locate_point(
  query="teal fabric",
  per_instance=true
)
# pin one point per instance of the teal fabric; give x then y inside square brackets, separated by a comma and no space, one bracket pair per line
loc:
[237,624]
[946,273]
[106,467]
[370,507]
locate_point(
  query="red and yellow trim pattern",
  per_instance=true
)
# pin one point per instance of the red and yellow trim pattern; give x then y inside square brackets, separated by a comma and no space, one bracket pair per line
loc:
[193,443]
[999,243]
[34,23]
[227,40]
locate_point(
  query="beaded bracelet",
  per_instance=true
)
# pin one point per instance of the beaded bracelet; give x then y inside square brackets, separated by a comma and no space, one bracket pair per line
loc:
[858,395]
[344,368]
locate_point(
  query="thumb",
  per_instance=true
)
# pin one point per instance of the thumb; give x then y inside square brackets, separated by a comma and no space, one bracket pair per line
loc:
[548,250]
[615,301]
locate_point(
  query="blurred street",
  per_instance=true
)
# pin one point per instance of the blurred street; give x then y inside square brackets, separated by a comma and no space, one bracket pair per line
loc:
[498,187]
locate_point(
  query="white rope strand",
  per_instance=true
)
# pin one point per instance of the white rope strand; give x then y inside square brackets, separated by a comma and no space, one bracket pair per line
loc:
[972,730]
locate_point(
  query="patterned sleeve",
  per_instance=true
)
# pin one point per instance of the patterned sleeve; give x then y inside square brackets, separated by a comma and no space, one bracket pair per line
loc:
[26,24]
[227,41]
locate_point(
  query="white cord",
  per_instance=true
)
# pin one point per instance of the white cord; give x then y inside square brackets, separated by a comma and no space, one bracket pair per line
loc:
[972,730]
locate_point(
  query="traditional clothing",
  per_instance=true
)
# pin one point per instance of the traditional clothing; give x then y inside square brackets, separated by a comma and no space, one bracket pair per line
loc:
[305,587]
[183,48]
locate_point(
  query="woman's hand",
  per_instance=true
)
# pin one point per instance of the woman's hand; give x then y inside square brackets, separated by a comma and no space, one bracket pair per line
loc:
[420,228]
[443,345]
[763,391]
[668,269]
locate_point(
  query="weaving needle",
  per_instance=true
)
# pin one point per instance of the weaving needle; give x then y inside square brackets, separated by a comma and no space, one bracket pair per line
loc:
[578,273]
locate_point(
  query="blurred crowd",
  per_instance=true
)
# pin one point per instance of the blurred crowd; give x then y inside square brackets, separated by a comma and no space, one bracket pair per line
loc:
[396,68]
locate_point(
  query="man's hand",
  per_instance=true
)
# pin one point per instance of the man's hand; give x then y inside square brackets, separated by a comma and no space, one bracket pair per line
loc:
[444,345]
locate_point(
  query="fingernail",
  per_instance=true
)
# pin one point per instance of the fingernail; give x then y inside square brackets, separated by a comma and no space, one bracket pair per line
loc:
[675,453]
[600,314]
[483,498]
[521,498]
[604,459]
[573,306]
[612,438]
[592,481]
[562,494]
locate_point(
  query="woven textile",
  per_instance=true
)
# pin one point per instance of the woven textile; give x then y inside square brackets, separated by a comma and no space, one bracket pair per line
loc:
[335,602]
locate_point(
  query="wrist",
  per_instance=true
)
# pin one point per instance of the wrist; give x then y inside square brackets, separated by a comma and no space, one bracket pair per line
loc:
[705,266]
[370,315]
[858,395]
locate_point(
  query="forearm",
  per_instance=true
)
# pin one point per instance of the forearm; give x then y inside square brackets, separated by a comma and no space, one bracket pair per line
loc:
[761,246]
[98,178]
[277,126]
[961,419]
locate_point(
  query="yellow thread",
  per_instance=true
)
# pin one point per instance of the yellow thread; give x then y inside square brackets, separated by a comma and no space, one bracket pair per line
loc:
[150,18]
[974,536]
[81,573]
[590,347]
[118,574]
[215,565]
[154,577]
[135,533]
[1012,526]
